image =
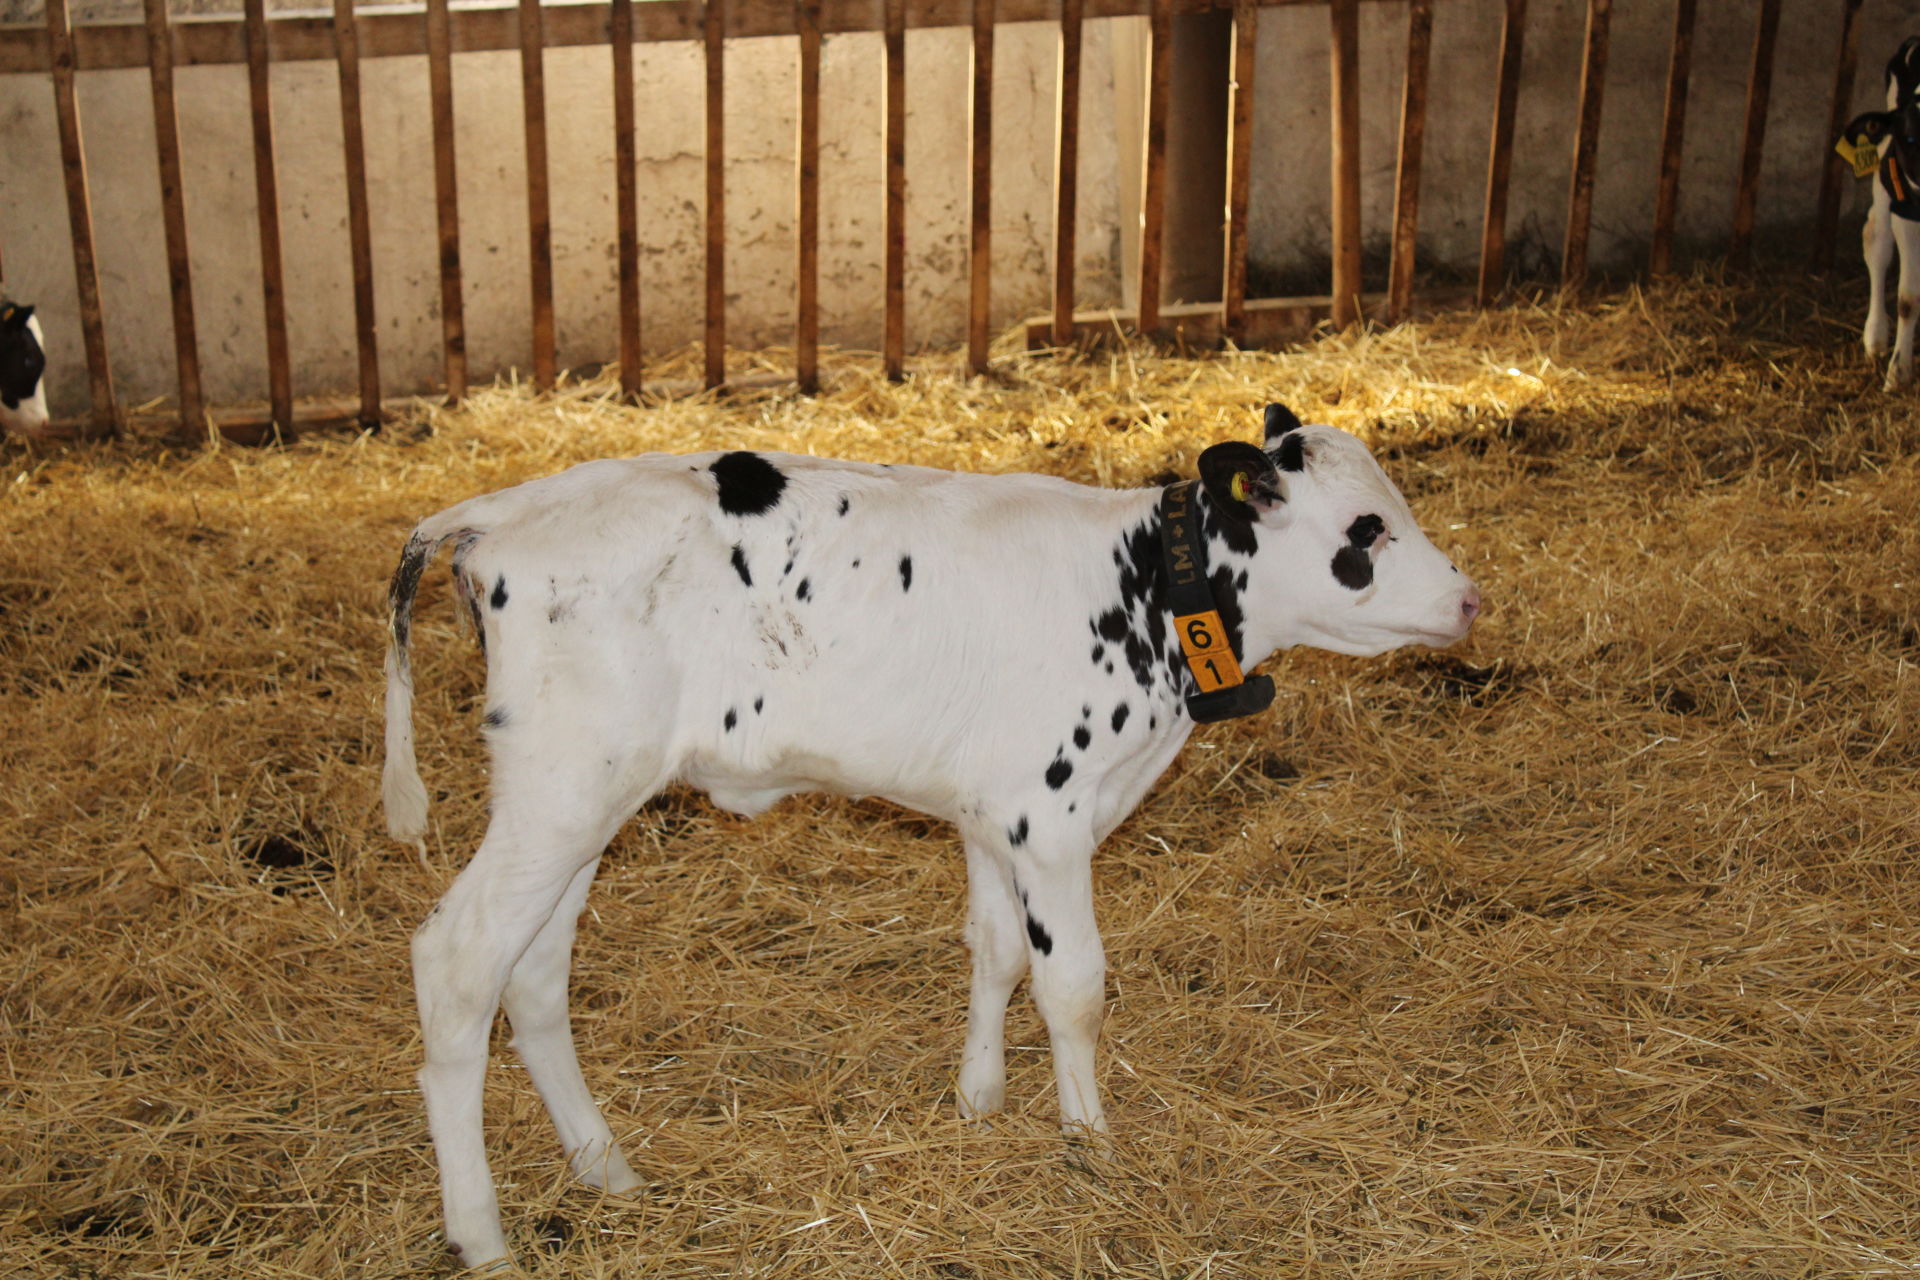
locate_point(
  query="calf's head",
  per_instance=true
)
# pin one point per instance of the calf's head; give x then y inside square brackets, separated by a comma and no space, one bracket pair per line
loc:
[23,401]
[1338,549]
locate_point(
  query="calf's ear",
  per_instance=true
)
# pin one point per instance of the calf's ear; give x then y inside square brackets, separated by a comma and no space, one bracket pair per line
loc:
[1871,127]
[1280,420]
[1241,481]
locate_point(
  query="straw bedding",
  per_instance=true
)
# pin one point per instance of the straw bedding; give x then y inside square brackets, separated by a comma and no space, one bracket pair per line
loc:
[1584,949]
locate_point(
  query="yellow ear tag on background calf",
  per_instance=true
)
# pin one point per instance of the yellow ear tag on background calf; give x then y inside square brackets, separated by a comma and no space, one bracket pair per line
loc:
[1863,156]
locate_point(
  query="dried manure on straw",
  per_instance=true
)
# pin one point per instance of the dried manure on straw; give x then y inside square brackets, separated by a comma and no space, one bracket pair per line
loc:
[1585,948]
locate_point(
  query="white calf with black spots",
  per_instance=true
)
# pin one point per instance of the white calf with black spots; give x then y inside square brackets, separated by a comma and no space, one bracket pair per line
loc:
[997,651]
[1893,223]
[23,362]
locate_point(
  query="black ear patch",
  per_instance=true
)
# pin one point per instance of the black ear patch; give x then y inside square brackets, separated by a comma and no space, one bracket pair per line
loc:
[1240,480]
[1280,421]
[1353,563]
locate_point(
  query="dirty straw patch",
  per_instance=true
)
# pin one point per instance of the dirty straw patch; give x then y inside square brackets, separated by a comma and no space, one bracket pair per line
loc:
[1585,949]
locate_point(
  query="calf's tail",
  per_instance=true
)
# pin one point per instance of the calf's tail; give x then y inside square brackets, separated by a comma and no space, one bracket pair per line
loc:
[404,795]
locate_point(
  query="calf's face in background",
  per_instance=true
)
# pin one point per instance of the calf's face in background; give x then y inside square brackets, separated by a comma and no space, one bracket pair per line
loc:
[23,361]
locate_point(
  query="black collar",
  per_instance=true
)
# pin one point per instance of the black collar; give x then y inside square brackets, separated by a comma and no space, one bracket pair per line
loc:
[1223,691]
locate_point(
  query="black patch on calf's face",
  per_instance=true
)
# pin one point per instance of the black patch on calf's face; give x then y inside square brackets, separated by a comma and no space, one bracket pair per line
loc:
[499,597]
[906,573]
[1060,770]
[1017,833]
[748,484]
[740,565]
[1353,568]
[1120,714]
[1037,934]
[1292,453]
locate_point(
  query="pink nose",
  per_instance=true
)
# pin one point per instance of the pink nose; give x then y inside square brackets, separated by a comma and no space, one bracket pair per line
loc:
[1470,604]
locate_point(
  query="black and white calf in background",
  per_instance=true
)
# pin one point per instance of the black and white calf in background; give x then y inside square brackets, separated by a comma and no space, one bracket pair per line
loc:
[23,391]
[1004,652]
[1894,220]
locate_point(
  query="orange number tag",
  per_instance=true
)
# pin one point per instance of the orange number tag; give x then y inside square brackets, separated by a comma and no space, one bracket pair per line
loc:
[1203,638]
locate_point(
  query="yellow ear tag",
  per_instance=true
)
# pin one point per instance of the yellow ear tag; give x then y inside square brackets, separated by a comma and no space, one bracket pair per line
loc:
[1238,488]
[6,314]
[1863,156]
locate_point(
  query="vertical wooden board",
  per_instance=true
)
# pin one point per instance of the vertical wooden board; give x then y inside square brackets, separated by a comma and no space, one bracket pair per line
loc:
[716,161]
[1406,176]
[807,269]
[1153,195]
[533,95]
[1066,170]
[86,272]
[1833,170]
[446,191]
[980,191]
[1233,289]
[1593,83]
[266,187]
[894,342]
[1344,21]
[173,217]
[1673,129]
[626,160]
[346,38]
[1754,133]
[1493,236]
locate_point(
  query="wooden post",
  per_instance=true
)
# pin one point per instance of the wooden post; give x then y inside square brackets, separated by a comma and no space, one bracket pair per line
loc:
[1753,136]
[807,229]
[1066,171]
[266,189]
[1406,177]
[1233,288]
[446,192]
[716,335]
[346,46]
[173,218]
[1593,84]
[86,274]
[533,98]
[1673,130]
[1153,197]
[1344,18]
[980,191]
[626,197]
[894,343]
[1493,236]
[1833,170]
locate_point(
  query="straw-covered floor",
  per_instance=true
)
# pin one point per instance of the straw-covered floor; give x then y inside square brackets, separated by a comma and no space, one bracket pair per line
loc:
[1585,949]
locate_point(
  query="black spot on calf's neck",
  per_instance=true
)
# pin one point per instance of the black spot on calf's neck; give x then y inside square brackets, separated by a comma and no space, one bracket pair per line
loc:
[906,573]
[499,597]
[1059,771]
[1017,833]
[748,484]
[1120,714]
[740,565]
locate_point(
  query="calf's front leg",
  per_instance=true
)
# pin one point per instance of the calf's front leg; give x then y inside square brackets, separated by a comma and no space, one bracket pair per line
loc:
[1055,889]
[996,936]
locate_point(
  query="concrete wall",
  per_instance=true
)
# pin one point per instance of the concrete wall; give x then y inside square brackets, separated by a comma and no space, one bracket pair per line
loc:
[116,109]
[1290,205]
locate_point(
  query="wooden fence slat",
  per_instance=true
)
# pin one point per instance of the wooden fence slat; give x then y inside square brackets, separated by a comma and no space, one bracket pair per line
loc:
[86,272]
[1493,236]
[446,199]
[1673,128]
[1833,171]
[173,218]
[980,191]
[1066,172]
[266,189]
[1233,289]
[894,345]
[626,182]
[716,159]
[533,101]
[1153,196]
[807,231]
[1406,176]
[359,220]
[1593,85]
[1344,19]
[1754,134]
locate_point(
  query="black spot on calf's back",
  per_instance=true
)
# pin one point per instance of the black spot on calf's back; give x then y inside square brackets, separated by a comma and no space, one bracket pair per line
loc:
[748,484]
